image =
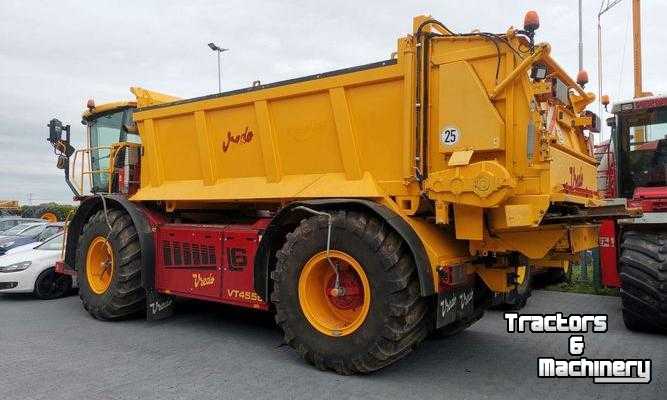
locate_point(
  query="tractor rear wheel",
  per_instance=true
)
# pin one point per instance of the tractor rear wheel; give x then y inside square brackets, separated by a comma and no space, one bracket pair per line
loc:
[108,264]
[374,315]
[643,270]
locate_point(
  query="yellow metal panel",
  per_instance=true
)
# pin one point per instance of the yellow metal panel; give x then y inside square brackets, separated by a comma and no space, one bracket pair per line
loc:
[531,243]
[147,97]
[205,151]
[376,114]
[583,238]
[407,50]
[307,141]
[469,222]
[460,158]
[464,106]
[235,142]
[346,135]
[151,154]
[442,247]
[177,140]
[518,215]
[570,170]
[268,142]
[519,212]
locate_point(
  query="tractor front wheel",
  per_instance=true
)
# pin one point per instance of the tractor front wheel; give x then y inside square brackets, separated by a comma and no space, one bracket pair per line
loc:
[108,264]
[356,308]
[643,270]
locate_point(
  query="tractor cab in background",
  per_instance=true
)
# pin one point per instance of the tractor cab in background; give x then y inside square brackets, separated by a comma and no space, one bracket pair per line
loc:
[639,137]
[634,165]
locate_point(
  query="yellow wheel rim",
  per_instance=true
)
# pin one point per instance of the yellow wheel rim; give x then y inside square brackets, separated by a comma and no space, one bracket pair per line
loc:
[99,265]
[330,312]
[49,216]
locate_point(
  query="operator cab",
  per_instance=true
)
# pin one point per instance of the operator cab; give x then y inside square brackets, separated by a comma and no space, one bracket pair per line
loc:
[104,129]
[639,135]
[109,161]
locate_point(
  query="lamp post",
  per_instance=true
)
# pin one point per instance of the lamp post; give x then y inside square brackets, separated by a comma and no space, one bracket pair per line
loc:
[219,50]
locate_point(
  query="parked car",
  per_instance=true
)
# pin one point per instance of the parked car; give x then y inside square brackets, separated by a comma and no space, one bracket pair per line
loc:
[24,247]
[32,271]
[11,221]
[28,233]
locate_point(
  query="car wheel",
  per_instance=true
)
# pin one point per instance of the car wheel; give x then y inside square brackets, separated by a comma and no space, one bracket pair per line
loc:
[51,285]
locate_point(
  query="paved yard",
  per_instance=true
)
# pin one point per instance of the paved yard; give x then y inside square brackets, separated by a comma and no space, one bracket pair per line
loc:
[54,350]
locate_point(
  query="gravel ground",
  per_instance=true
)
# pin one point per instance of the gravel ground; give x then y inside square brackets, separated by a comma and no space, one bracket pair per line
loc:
[55,350]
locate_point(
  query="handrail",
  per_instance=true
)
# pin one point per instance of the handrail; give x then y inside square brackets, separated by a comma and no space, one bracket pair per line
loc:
[542,53]
[113,149]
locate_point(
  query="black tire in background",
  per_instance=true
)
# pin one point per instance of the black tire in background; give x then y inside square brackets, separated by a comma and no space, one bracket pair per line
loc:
[51,285]
[125,296]
[397,318]
[643,270]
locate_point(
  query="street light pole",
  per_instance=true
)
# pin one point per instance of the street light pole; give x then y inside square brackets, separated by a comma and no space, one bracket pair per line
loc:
[581,42]
[219,50]
[219,74]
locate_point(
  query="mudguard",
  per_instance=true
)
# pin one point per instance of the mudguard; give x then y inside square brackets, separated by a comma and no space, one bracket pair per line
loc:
[274,235]
[141,221]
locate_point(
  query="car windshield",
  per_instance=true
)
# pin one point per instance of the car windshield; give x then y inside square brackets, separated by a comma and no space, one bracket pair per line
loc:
[32,231]
[19,229]
[55,243]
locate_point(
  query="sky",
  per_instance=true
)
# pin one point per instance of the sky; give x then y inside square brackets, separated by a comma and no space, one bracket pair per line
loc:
[54,55]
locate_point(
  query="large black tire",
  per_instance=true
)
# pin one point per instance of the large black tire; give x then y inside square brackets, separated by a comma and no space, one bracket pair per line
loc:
[643,267]
[125,296]
[397,317]
[51,285]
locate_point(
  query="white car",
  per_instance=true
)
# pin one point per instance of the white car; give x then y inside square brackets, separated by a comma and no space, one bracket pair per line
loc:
[31,271]
[29,246]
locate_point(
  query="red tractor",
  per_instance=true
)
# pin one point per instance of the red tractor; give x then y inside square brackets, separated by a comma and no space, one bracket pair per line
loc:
[633,170]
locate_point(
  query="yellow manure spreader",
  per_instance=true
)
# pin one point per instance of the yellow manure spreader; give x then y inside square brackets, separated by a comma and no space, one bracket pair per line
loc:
[367,207]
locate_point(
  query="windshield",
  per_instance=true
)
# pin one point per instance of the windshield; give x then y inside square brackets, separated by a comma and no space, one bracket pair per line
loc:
[55,243]
[106,130]
[644,150]
[19,230]
[32,231]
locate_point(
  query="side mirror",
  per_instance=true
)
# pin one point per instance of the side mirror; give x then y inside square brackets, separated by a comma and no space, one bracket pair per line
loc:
[130,127]
[59,136]
[55,130]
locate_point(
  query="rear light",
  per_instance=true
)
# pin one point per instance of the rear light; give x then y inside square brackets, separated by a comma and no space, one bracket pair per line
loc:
[450,276]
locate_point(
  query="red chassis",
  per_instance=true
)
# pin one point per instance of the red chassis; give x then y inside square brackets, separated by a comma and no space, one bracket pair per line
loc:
[653,203]
[206,262]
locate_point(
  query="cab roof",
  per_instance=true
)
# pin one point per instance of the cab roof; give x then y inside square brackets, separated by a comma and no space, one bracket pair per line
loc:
[641,103]
[144,98]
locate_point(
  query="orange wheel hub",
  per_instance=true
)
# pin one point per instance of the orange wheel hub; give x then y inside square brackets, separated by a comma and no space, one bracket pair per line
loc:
[334,311]
[99,265]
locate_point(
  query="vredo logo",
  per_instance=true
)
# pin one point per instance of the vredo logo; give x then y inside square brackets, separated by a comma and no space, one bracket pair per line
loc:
[576,178]
[200,280]
[241,138]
